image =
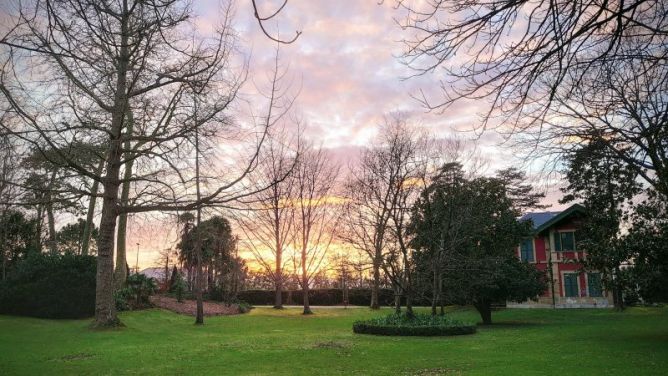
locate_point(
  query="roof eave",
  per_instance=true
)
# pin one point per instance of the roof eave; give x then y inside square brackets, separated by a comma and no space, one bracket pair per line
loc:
[575,208]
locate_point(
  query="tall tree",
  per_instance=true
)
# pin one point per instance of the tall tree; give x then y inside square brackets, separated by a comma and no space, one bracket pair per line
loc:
[380,193]
[439,226]
[466,230]
[270,222]
[605,186]
[316,218]
[94,62]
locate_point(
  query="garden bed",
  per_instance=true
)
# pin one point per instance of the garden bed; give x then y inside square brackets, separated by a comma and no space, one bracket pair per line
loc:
[189,307]
[418,325]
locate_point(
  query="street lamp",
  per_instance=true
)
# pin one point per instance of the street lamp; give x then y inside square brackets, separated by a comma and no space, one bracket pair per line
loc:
[137,262]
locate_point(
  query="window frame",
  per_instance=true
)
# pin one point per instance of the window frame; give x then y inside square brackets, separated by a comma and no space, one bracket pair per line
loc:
[559,241]
[600,285]
[577,284]
[532,251]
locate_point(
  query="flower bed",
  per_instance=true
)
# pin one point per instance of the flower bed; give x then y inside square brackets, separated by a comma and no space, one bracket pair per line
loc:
[418,325]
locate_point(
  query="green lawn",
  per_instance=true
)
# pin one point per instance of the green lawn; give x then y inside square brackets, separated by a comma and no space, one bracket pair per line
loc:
[266,342]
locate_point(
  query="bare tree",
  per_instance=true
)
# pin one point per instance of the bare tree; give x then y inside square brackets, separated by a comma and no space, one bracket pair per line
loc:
[554,72]
[518,53]
[623,106]
[91,64]
[381,191]
[269,222]
[316,217]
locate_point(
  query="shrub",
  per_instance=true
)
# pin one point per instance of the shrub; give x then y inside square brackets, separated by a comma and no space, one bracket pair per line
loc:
[141,287]
[50,286]
[418,325]
[122,298]
[244,307]
[180,289]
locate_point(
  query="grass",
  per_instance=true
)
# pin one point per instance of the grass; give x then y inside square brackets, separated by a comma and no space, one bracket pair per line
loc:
[264,342]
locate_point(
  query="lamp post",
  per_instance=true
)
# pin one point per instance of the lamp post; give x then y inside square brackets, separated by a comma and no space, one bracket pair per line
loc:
[137,262]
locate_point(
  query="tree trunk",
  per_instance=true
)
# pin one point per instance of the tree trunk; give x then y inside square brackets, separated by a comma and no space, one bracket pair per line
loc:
[199,320]
[305,287]
[88,226]
[397,301]
[409,305]
[53,244]
[105,309]
[441,297]
[307,306]
[120,275]
[38,228]
[375,288]
[278,280]
[617,295]
[485,310]
[435,296]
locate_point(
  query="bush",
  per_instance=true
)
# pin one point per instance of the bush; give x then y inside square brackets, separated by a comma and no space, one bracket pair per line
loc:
[323,297]
[418,325]
[122,298]
[141,287]
[244,307]
[50,286]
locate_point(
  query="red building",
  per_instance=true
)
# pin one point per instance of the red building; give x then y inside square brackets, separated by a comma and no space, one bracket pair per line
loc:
[552,248]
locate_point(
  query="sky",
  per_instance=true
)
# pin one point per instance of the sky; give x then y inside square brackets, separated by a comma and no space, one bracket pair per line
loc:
[348,74]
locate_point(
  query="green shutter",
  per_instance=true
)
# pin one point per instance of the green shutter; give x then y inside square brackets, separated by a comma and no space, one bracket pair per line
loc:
[557,241]
[571,285]
[595,287]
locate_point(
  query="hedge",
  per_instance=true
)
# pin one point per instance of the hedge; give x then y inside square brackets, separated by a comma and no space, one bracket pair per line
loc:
[426,331]
[417,325]
[50,286]
[322,297]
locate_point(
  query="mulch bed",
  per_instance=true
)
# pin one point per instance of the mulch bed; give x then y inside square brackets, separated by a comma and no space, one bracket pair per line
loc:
[189,307]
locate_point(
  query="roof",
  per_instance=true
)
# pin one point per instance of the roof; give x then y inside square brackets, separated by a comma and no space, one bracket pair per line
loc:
[157,273]
[544,220]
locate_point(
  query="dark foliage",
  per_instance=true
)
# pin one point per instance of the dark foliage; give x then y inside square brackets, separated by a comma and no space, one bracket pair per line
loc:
[323,297]
[414,325]
[50,286]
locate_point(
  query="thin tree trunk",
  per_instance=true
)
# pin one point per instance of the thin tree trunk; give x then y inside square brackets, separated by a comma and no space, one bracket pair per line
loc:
[441,297]
[278,272]
[375,288]
[305,287]
[199,320]
[434,293]
[88,226]
[409,282]
[397,300]
[53,243]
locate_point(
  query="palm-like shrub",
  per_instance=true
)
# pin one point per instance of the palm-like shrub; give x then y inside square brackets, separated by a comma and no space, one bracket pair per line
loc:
[140,288]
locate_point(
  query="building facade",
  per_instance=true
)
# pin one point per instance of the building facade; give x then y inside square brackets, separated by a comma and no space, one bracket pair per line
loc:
[553,249]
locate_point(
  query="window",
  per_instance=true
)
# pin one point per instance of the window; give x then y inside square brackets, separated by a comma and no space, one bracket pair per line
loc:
[595,287]
[571,285]
[564,241]
[526,250]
